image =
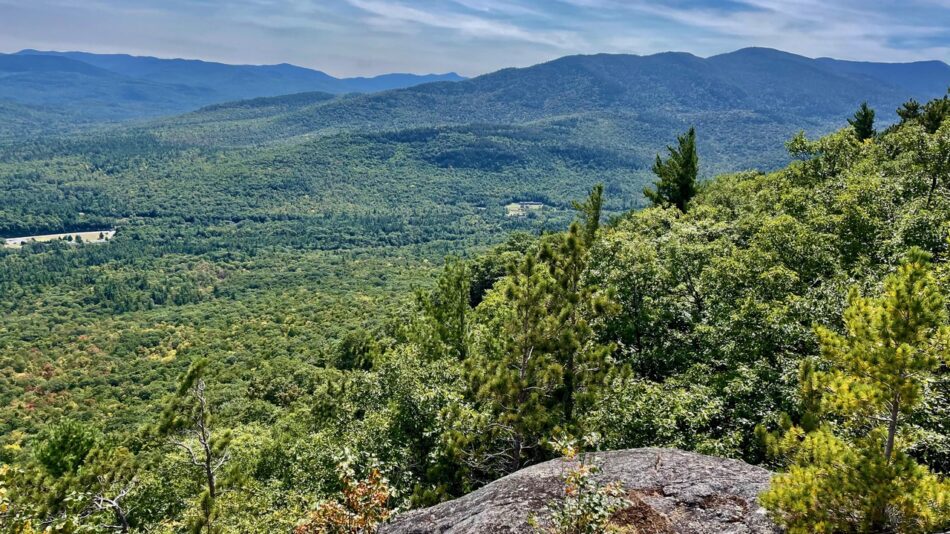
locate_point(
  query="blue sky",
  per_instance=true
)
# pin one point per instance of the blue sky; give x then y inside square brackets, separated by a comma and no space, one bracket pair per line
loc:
[359,37]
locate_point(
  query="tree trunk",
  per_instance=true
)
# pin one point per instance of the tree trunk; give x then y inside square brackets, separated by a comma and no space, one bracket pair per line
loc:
[122,520]
[516,453]
[933,187]
[892,427]
[569,389]
[210,474]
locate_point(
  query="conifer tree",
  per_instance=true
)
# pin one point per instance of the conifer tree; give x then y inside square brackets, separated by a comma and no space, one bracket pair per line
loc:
[677,175]
[589,212]
[909,110]
[516,375]
[188,420]
[935,113]
[582,359]
[849,470]
[448,307]
[863,122]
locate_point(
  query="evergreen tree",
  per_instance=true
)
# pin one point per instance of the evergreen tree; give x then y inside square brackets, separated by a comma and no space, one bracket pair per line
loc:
[447,307]
[677,175]
[589,212]
[909,110]
[64,447]
[863,122]
[849,469]
[516,373]
[935,112]
[188,420]
[357,350]
[582,359]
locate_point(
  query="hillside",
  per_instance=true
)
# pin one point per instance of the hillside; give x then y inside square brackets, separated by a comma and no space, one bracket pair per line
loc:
[747,103]
[303,283]
[766,84]
[391,288]
[88,87]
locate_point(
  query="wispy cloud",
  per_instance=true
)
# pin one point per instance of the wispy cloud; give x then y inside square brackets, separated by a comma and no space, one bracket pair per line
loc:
[348,37]
[468,25]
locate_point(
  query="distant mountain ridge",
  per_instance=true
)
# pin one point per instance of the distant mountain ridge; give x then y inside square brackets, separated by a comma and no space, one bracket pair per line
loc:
[768,92]
[90,87]
[634,98]
[755,80]
[248,80]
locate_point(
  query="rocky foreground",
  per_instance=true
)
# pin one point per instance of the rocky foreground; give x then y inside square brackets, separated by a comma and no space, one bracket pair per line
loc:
[673,492]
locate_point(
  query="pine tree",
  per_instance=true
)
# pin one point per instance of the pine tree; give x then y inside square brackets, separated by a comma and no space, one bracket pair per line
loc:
[909,110]
[515,375]
[590,212]
[188,420]
[677,175]
[863,122]
[582,359]
[448,310]
[849,470]
[935,113]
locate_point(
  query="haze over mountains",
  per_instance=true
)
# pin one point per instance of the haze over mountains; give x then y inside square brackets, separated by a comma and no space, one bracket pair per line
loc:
[97,87]
[745,104]
[610,108]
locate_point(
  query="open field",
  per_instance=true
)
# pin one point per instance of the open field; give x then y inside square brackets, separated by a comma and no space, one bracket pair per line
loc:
[95,236]
[522,209]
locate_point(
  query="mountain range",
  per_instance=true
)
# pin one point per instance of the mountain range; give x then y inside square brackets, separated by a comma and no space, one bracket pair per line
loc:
[745,104]
[106,87]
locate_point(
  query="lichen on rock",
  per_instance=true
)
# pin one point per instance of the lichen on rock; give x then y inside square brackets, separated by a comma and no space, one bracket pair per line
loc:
[670,491]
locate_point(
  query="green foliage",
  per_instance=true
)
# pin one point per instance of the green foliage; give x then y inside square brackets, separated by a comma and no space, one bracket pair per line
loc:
[930,115]
[448,310]
[63,448]
[863,122]
[855,476]
[583,360]
[677,175]
[188,419]
[590,212]
[514,371]
[909,110]
[357,350]
[308,276]
[587,506]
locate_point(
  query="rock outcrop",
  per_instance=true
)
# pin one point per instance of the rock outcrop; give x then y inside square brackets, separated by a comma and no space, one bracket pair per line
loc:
[671,491]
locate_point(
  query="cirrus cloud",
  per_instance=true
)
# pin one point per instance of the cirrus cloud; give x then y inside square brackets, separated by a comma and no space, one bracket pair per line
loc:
[359,37]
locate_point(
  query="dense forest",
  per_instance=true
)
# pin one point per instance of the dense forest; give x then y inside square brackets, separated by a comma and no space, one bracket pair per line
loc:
[293,350]
[47,92]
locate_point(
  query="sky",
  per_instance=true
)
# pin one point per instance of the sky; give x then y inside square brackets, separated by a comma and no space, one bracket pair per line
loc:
[366,37]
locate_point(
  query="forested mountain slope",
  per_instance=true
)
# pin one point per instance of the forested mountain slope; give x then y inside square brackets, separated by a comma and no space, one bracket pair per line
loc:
[87,88]
[746,103]
[753,84]
[282,303]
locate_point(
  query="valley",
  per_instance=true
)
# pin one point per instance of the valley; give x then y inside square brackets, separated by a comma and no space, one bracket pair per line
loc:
[437,284]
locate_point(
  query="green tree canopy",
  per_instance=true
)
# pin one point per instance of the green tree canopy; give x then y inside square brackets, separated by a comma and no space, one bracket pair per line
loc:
[863,122]
[850,473]
[677,175]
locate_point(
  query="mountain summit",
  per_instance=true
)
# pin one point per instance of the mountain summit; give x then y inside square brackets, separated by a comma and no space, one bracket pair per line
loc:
[120,86]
